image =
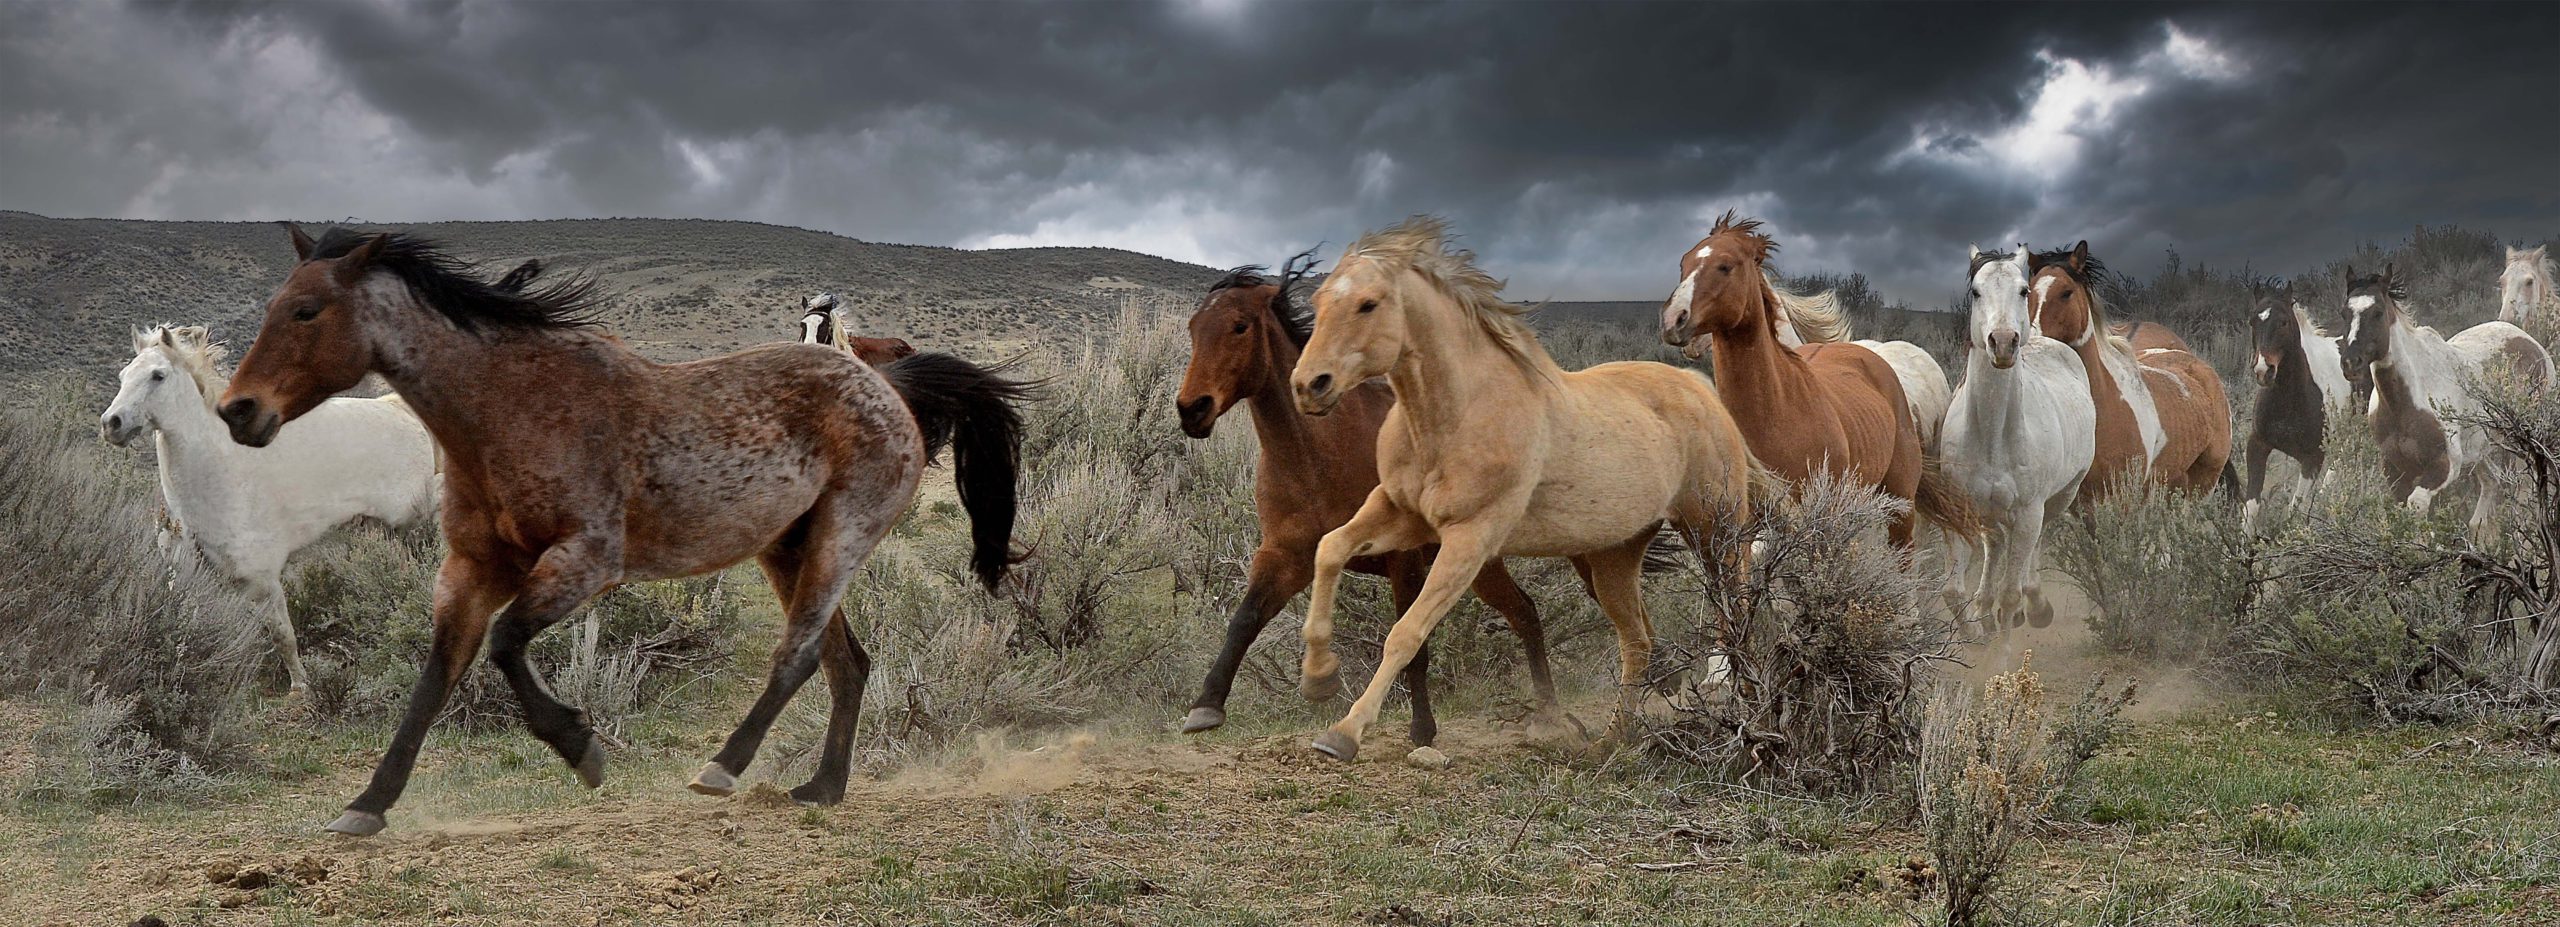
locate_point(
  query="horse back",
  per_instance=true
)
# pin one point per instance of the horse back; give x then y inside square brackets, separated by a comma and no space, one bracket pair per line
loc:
[2503,348]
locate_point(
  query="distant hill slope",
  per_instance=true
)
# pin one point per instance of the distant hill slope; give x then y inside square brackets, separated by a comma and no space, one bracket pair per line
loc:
[680,287]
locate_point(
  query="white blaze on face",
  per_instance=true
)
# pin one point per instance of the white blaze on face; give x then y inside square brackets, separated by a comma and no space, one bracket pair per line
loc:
[809,325]
[2356,305]
[1340,285]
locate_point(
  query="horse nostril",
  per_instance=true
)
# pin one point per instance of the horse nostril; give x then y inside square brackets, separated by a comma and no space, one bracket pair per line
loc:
[1322,383]
[115,423]
[237,411]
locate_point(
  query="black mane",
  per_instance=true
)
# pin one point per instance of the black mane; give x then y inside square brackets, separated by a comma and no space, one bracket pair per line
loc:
[2091,271]
[1297,321]
[2368,283]
[453,288]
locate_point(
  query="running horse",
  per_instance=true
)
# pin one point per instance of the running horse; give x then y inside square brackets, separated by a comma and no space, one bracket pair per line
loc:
[1312,474]
[573,465]
[1803,319]
[1493,450]
[1824,406]
[2162,413]
[2300,384]
[820,324]
[2018,441]
[2525,288]
[2421,400]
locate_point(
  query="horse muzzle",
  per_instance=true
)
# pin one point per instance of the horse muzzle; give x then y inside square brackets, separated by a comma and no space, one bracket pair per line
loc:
[252,423]
[1199,415]
[1318,394]
[2003,347]
[118,430]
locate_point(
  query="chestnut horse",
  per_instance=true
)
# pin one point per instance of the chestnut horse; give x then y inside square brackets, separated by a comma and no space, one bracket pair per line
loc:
[2300,383]
[1311,476]
[819,324]
[2162,412]
[1825,406]
[573,464]
[1804,319]
[2418,376]
[1493,450]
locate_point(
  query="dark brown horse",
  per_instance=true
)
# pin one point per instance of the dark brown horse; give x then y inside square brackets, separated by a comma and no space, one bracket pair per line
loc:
[2299,384]
[1313,473]
[1822,407]
[573,465]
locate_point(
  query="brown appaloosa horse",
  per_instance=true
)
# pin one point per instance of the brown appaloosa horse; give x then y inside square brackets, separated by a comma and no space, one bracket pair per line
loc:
[1824,406]
[1311,477]
[573,465]
[2162,412]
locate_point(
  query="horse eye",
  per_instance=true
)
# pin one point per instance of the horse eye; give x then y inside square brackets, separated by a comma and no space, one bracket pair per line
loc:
[1240,327]
[308,312]
[1725,269]
[1368,306]
[158,375]
[2022,291]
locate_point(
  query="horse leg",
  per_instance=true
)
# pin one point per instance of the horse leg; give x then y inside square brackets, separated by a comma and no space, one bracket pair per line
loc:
[847,667]
[1617,574]
[831,542]
[1377,528]
[1958,588]
[466,594]
[279,618]
[2029,547]
[2493,495]
[1404,581]
[567,576]
[2257,483]
[1275,578]
[1463,552]
[1495,587]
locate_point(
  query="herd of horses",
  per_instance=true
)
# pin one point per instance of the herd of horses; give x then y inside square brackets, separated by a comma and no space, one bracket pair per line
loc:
[1410,426]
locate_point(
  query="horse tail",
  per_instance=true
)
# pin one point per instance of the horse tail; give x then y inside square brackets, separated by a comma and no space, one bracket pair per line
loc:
[2230,481]
[1945,504]
[971,409]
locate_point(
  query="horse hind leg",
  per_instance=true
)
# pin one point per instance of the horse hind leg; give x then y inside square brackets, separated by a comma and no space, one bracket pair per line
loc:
[279,624]
[1405,579]
[1499,591]
[1617,580]
[832,542]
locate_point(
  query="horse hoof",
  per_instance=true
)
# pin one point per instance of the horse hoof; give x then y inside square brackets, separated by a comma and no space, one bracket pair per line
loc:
[1321,688]
[1203,719]
[713,780]
[1337,745]
[2041,616]
[591,764]
[811,793]
[357,824]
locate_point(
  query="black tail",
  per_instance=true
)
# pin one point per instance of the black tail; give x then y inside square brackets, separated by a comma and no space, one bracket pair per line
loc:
[2230,483]
[971,409]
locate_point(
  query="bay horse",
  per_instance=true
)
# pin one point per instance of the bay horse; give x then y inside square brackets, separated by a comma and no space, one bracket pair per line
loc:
[1493,450]
[1312,474]
[2300,384]
[2525,288]
[574,465]
[247,510]
[2163,415]
[2018,442]
[1803,319]
[1825,406]
[819,324]
[2417,376]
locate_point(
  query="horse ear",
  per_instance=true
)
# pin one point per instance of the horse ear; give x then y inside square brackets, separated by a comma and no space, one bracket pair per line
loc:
[352,267]
[2389,269]
[302,243]
[2080,256]
[141,340]
[2349,273]
[1972,250]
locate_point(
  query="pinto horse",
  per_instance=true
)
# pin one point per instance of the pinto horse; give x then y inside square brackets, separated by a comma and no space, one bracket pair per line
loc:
[2418,373]
[2018,441]
[1313,473]
[1823,406]
[1493,450]
[573,464]
[820,325]
[2300,383]
[2162,412]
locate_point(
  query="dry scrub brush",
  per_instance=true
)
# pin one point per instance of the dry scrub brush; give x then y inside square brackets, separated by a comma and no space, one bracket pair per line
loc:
[1808,672]
[144,671]
[1990,769]
[2166,571]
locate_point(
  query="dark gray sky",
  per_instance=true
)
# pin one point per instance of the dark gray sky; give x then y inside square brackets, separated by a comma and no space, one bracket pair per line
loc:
[1578,148]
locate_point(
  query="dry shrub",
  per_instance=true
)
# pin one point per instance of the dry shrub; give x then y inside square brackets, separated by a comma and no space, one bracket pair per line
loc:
[2166,570]
[1990,768]
[144,671]
[1809,672]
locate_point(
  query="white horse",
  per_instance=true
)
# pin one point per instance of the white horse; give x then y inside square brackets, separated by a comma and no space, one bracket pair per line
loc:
[2524,290]
[1819,317]
[248,509]
[2019,439]
[2420,395]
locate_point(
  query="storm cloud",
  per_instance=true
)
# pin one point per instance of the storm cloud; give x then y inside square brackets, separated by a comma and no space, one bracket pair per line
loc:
[1578,148]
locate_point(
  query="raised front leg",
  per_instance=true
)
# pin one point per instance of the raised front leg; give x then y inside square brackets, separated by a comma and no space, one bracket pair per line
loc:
[567,576]
[466,594]
[1463,552]
[1378,527]
[1275,577]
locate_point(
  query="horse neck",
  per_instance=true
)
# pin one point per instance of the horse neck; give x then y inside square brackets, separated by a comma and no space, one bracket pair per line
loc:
[1282,430]
[1994,398]
[200,465]
[442,371]
[1753,369]
[1459,376]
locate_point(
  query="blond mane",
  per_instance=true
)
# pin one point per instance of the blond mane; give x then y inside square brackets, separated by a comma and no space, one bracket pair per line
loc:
[193,349]
[1421,244]
[1816,317]
[2302,321]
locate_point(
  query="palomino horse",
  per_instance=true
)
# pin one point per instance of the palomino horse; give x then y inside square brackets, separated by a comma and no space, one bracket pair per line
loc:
[2299,384]
[2018,442]
[1313,473]
[1802,319]
[2525,288]
[249,509]
[1493,450]
[2418,374]
[2162,412]
[819,324]
[574,464]
[1824,406]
